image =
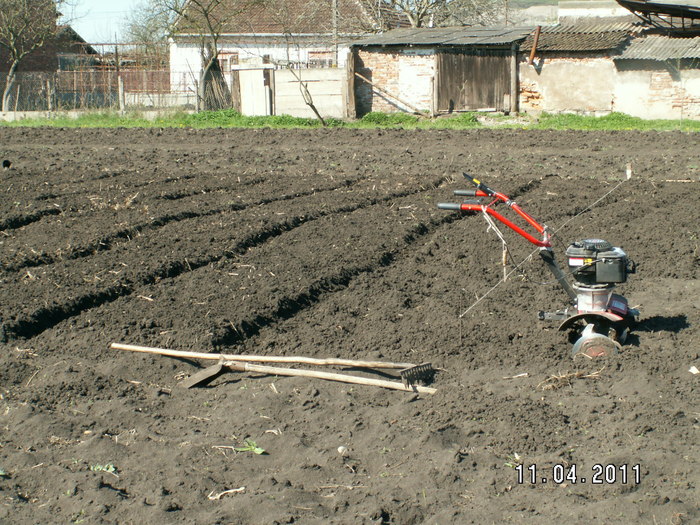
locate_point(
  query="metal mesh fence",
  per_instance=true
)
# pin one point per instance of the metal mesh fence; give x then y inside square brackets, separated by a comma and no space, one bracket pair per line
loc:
[103,76]
[98,89]
[129,77]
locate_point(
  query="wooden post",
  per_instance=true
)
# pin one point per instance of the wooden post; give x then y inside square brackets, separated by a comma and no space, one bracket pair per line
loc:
[122,101]
[49,98]
[349,90]
[436,78]
[334,7]
[197,102]
[236,90]
[514,83]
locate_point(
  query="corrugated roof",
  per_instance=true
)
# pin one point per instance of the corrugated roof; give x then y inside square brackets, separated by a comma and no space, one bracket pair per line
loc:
[450,36]
[686,10]
[594,27]
[587,36]
[660,47]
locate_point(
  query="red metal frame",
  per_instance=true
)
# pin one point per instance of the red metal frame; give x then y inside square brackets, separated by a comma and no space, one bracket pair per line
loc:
[500,197]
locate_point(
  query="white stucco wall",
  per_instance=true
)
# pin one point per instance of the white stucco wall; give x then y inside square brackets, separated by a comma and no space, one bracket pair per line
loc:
[185,59]
[599,86]
[577,9]
[656,94]
[555,85]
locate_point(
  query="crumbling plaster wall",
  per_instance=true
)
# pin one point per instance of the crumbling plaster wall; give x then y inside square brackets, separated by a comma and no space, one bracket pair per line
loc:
[658,90]
[566,84]
[600,85]
[405,73]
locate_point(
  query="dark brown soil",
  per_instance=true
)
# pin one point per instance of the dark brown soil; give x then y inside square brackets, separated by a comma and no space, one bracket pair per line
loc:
[329,244]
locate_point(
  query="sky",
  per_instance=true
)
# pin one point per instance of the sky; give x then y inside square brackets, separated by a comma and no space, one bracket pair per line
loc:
[98,21]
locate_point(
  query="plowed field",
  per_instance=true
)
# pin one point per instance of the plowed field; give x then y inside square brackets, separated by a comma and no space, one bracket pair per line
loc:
[328,243]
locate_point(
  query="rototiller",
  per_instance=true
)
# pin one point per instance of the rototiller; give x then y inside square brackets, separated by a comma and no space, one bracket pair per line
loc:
[598,319]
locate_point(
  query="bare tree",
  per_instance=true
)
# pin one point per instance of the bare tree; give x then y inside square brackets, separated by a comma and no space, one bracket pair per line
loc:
[207,20]
[148,24]
[431,13]
[25,26]
[472,12]
[146,30]
[419,12]
[292,21]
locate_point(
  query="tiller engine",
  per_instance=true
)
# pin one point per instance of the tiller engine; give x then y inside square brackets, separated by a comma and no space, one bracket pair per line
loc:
[598,319]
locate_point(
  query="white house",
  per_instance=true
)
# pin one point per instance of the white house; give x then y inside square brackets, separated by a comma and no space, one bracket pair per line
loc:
[281,34]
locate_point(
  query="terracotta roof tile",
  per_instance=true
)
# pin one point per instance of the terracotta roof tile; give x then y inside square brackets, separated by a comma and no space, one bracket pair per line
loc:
[288,16]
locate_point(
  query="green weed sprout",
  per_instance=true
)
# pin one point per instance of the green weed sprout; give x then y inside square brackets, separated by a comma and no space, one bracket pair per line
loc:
[251,446]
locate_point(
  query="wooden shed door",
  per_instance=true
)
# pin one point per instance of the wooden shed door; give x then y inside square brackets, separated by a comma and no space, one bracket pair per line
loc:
[477,79]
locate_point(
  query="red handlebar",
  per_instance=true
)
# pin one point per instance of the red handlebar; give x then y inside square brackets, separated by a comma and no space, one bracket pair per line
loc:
[485,191]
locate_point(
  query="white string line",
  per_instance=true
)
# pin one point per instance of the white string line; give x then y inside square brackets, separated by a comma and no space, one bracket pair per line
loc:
[527,258]
[592,205]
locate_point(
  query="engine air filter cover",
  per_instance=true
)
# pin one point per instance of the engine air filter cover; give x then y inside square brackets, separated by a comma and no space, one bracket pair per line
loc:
[595,261]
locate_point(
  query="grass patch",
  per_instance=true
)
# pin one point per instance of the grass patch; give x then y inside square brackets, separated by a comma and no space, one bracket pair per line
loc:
[232,119]
[376,119]
[611,122]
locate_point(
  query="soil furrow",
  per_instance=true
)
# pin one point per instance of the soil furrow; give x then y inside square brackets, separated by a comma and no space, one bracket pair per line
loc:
[42,319]
[127,234]
[288,307]
[22,220]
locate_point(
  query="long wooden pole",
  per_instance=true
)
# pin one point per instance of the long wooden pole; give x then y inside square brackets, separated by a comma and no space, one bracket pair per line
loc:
[385,92]
[261,359]
[343,378]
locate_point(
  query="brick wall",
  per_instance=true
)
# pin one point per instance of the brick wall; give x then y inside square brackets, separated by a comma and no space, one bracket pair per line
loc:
[403,73]
[671,92]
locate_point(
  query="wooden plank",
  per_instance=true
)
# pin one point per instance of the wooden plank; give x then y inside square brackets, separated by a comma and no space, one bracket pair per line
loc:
[349,89]
[473,80]
[235,91]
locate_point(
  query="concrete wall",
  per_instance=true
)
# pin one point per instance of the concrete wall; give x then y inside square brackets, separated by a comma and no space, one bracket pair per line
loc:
[598,86]
[581,85]
[159,100]
[407,74]
[653,91]
[14,116]
[577,9]
[326,86]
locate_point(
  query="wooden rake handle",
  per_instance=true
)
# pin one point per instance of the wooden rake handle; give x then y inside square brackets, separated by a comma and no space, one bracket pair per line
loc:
[343,378]
[262,359]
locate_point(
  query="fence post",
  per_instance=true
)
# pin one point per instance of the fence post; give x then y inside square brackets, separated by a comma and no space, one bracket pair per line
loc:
[122,101]
[196,97]
[49,98]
